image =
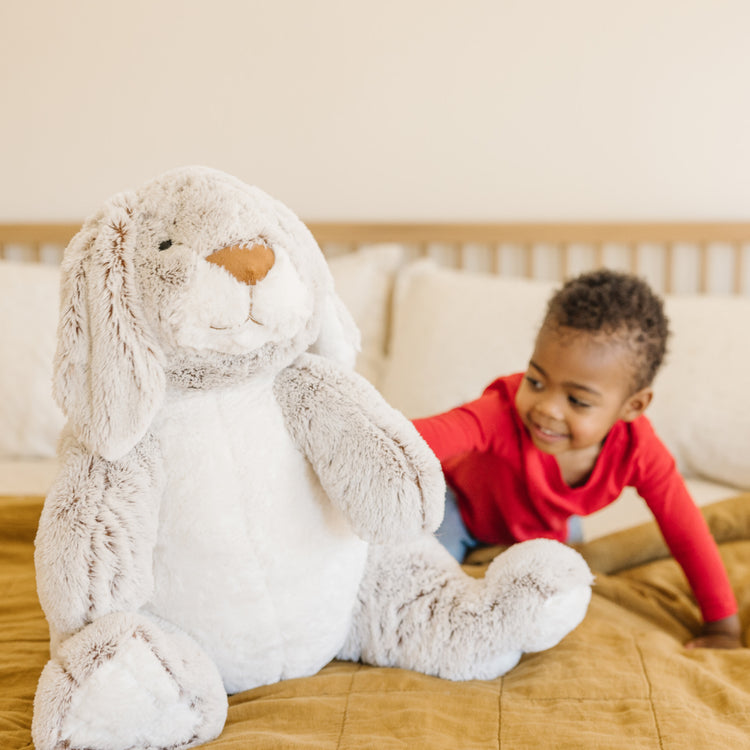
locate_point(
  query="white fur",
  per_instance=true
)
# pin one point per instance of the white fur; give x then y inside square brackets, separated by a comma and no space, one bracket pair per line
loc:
[122,683]
[265,544]
[215,312]
[235,506]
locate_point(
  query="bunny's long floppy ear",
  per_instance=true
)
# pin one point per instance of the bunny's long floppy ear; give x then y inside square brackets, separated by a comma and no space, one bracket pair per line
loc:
[108,377]
[339,338]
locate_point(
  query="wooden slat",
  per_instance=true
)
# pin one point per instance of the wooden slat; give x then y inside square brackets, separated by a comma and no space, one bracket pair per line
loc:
[598,254]
[668,267]
[527,235]
[738,267]
[703,267]
[564,260]
[37,234]
[528,254]
[362,233]
[523,233]
[496,264]
[459,254]
[633,258]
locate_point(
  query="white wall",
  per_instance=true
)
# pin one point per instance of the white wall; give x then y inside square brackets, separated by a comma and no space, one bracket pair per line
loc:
[383,109]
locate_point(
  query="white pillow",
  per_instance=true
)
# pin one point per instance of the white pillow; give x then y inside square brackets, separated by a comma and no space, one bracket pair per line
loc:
[454,332]
[364,281]
[701,406]
[30,421]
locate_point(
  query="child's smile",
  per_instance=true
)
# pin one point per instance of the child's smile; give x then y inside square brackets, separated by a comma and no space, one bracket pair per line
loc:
[545,434]
[576,387]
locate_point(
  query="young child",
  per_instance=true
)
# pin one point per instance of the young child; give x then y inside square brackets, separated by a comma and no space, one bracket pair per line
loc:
[564,438]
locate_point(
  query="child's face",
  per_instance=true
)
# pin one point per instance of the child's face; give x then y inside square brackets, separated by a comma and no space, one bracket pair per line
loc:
[576,387]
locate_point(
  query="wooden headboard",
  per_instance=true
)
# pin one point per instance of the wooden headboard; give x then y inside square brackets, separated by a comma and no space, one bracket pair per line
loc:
[675,257]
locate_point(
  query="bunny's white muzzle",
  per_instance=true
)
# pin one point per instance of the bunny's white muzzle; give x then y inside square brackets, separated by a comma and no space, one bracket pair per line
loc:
[238,299]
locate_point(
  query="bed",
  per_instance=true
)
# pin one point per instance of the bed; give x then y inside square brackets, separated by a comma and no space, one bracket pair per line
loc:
[622,678]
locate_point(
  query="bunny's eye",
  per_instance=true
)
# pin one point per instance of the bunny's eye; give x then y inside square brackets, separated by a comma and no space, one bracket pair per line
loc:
[165,245]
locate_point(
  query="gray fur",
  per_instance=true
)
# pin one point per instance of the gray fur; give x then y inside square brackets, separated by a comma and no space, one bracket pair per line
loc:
[339,421]
[416,610]
[96,535]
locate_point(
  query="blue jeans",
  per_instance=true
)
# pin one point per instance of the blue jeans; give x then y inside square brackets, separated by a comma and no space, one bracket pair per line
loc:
[457,539]
[452,533]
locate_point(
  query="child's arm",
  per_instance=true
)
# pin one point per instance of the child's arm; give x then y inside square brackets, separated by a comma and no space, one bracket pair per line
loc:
[689,539]
[461,429]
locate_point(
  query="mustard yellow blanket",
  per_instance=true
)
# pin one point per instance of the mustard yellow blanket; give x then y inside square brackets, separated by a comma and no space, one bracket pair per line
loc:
[621,680]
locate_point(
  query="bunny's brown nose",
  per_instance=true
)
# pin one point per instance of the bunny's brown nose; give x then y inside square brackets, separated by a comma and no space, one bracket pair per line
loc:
[246,264]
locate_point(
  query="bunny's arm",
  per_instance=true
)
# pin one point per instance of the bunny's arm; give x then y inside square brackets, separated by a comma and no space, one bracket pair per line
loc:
[96,536]
[372,463]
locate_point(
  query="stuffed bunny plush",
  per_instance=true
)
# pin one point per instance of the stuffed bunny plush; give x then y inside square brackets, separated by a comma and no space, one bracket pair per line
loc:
[235,506]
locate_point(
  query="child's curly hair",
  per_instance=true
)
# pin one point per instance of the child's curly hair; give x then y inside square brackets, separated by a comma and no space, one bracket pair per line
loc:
[619,305]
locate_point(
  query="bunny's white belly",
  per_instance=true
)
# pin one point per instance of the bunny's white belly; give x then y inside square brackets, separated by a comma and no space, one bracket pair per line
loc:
[276,597]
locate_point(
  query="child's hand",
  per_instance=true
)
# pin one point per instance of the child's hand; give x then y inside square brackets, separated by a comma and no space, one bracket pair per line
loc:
[724,633]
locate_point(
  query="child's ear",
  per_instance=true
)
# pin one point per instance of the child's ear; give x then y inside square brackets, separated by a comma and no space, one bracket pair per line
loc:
[636,404]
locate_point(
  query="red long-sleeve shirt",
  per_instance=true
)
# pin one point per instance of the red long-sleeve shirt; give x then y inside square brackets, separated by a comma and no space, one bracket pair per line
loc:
[509,491]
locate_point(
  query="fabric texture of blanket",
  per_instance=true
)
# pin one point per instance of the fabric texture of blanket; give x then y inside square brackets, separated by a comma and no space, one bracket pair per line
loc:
[621,680]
